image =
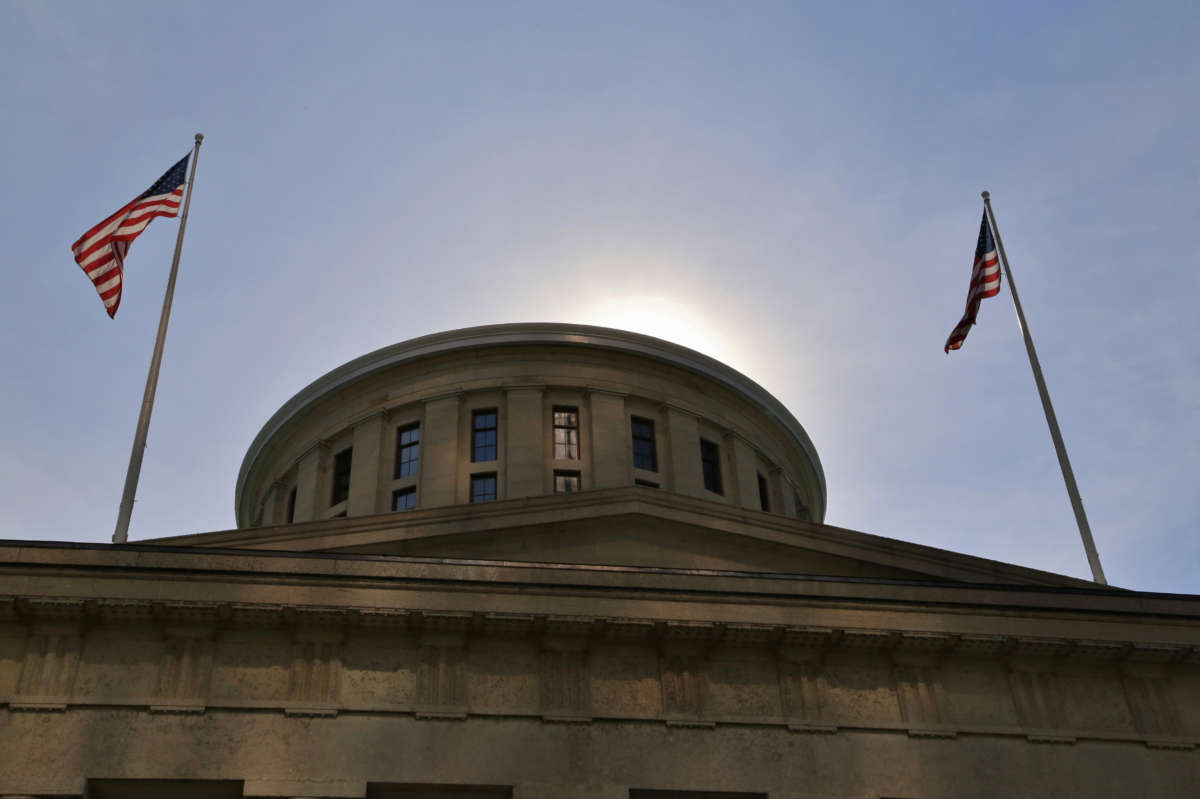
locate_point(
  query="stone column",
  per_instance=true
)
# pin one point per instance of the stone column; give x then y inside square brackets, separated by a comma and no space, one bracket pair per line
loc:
[364,474]
[611,441]
[439,455]
[683,441]
[526,468]
[308,472]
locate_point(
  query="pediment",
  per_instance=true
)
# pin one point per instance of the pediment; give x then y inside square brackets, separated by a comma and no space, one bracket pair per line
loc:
[634,527]
[634,540]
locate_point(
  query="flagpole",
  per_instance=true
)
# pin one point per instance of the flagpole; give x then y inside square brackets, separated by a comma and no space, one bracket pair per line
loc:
[121,534]
[1085,532]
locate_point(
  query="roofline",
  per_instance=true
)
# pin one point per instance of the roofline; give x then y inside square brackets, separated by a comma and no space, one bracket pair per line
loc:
[529,333]
[163,557]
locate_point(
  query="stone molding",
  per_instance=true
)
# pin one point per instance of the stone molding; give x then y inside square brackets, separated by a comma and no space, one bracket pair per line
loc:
[907,646]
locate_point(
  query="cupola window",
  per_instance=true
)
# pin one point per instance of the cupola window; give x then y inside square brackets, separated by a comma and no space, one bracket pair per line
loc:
[483,435]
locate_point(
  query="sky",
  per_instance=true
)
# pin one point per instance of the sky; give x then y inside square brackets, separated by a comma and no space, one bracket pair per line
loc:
[792,188]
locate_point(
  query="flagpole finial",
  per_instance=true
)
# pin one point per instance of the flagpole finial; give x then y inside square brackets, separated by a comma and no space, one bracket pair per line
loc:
[199,138]
[985,194]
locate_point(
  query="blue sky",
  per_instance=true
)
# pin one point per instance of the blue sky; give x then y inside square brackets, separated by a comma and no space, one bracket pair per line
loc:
[791,188]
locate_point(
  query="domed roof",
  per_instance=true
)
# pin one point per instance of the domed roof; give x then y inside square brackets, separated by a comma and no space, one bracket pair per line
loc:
[541,333]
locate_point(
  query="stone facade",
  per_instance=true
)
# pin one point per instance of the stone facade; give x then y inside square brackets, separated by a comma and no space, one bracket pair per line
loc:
[622,642]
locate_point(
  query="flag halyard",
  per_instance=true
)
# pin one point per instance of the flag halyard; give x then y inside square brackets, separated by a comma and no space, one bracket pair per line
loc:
[985,282]
[101,251]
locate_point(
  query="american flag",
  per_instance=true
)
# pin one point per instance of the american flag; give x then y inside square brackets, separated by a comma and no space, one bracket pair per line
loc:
[101,251]
[985,282]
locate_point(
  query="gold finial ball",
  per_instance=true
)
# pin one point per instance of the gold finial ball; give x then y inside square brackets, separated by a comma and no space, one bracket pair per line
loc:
[985,195]
[199,138]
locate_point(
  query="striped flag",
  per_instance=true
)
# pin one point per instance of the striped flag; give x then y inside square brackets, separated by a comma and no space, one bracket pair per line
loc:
[101,251]
[985,282]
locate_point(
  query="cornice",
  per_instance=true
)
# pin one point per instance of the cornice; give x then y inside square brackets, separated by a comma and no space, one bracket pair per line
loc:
[600,503]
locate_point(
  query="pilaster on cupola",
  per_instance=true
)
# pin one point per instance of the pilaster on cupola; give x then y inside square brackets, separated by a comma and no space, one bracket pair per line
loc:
[683,437]
[364,495]
[439,452]
[270,505]
[745,468]
[308,474]
[782,488]
[525,469]
[610,439]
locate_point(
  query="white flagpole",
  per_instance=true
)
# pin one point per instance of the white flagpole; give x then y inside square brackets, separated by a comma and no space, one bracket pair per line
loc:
[121,534]
[1085,532]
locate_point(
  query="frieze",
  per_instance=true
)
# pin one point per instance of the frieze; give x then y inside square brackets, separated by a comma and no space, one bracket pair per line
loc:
[686,664]
[615,629]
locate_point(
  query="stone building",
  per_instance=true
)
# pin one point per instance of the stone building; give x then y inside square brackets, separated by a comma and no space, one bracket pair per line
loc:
[564,562]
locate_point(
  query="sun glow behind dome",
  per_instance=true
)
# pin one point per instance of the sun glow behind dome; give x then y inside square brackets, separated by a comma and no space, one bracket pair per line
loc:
[670,318]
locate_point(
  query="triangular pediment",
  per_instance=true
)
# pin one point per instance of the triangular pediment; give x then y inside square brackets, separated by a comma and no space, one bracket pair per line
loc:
[630,527]
[634,540]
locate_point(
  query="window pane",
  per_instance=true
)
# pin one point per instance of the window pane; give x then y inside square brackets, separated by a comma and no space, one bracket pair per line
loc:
[566,482]
[404,499]
[483,487]
[408,451]
[710,461]
[341,476]
[645,455]
[566,434]
[764,496]
[483,439]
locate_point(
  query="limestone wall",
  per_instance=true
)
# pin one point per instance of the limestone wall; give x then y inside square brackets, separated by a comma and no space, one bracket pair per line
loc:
[292,695]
